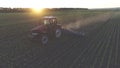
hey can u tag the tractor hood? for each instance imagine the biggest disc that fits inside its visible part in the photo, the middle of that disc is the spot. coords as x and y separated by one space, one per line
40 28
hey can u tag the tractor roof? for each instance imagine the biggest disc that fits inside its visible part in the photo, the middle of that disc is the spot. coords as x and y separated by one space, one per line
49 17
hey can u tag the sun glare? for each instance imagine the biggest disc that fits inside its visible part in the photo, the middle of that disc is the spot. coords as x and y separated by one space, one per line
37 10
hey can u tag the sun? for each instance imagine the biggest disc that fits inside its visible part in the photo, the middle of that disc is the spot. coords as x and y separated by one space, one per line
37 10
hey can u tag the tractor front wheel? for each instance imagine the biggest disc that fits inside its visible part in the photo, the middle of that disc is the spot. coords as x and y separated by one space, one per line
58 33
44 39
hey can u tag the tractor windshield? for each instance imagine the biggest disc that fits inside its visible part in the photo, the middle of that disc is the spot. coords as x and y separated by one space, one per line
46 22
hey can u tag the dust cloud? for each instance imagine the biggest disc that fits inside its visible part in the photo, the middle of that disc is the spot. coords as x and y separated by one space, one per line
78 24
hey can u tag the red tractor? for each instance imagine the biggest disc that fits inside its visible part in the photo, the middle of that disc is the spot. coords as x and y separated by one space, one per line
49 28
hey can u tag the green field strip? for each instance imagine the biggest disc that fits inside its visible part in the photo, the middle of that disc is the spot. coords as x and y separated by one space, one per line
11 32
10 37
16 22
61 14
86 49
100 49
14 31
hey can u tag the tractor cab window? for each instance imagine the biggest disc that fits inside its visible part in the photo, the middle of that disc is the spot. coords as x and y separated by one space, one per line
46 22
50 21
53 21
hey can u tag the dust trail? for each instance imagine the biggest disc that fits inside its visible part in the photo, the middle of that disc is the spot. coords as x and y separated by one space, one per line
78 24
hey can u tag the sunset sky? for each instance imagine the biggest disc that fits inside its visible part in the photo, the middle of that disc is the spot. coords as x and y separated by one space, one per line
60 3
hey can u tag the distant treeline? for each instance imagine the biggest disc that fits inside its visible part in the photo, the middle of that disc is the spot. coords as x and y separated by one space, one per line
14 10
61 9
22 10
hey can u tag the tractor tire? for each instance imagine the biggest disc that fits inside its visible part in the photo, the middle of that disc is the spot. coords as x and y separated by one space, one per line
44 39
58 33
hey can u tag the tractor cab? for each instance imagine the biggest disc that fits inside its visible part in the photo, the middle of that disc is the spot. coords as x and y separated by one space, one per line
49 28
49 20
